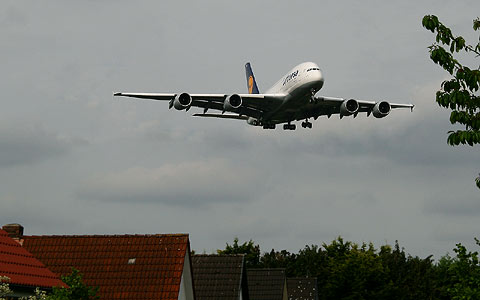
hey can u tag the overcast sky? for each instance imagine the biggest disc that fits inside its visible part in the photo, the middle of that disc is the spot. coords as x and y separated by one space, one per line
73 160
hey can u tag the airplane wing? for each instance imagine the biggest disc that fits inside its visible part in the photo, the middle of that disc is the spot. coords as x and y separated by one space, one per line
344 107
252 105
220 116
364 104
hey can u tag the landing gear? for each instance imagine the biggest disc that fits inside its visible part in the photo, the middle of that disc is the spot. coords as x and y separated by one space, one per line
306 124
269 126
312 96
289 126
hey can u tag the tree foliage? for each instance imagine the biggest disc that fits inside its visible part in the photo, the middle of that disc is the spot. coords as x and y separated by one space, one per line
39 295
346 270
251 251
4 287
76 290
460 93
464 272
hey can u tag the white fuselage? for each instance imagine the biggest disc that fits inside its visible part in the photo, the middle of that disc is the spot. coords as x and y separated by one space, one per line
298 86
303 78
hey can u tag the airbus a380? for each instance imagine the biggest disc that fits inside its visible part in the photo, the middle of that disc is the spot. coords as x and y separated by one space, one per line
292 98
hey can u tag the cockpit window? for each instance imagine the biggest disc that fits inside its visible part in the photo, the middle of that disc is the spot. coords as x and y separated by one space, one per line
311 69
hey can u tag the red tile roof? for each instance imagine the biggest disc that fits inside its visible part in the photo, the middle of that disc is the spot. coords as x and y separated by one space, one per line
122 266
21 267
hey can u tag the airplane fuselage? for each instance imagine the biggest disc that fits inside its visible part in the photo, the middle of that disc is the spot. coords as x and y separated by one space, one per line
299 85
305 76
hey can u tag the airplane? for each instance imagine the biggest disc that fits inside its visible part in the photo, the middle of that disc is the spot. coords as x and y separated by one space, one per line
292 98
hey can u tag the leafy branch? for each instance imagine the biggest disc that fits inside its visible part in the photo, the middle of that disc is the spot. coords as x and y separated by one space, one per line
459 93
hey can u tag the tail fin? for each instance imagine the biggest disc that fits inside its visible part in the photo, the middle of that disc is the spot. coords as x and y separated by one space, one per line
251 83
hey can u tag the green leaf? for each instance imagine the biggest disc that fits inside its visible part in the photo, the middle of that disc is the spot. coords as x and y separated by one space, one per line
476 24
430 22
459 43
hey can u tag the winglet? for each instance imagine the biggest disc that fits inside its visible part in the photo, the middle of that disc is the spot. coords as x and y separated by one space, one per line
117 94
251 83
411 108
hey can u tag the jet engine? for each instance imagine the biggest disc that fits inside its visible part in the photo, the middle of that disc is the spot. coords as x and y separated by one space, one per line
349 107
232 102
182 101
381 109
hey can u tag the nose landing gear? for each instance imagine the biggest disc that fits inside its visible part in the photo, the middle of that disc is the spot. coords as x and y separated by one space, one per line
289 126
312 96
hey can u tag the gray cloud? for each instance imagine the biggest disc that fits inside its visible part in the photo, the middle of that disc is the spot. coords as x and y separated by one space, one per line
12 16
453 203
194 183
28 144
145 166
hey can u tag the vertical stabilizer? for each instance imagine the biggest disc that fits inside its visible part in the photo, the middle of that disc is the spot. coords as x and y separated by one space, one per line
251 83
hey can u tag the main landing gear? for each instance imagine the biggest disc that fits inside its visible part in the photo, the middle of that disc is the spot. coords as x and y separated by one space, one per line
306 124
289 126
269 126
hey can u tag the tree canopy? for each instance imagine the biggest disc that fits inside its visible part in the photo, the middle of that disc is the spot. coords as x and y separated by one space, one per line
459 92
77 289
251 251
346 270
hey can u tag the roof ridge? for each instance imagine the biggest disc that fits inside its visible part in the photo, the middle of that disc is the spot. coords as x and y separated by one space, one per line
30 274
268 269
25 254
221 255
110 235
42 266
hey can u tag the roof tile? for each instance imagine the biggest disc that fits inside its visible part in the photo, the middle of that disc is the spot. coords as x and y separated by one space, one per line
154 271
218 276
21 267
266 284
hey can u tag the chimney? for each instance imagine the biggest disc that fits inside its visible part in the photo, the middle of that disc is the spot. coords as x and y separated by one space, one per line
15 231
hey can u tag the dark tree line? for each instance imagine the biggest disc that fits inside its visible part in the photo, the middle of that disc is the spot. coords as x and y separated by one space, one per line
346 270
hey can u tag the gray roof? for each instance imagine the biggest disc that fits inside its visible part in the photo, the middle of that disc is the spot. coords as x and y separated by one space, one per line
219 277
266 284
302 288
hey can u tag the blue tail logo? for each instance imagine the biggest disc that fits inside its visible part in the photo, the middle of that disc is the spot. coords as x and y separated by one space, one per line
251 83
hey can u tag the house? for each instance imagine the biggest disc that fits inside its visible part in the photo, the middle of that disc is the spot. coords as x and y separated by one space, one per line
220 277
25 272
267 284
302 288
155 266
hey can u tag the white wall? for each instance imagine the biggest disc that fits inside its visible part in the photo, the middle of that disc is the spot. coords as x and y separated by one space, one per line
186 285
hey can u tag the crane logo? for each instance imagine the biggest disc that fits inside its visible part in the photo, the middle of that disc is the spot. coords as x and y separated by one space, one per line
250 84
